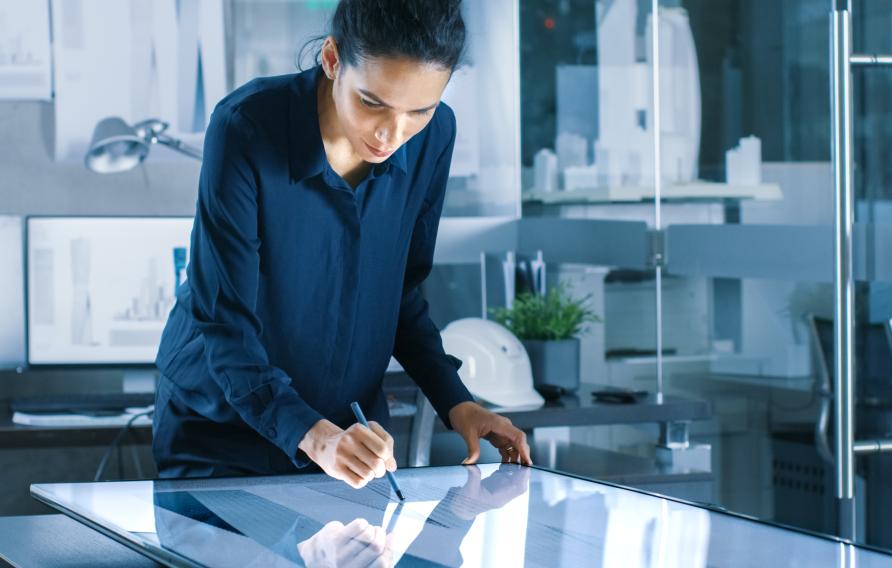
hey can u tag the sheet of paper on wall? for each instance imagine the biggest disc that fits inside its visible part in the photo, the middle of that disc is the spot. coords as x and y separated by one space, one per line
136 59
462 97
25 65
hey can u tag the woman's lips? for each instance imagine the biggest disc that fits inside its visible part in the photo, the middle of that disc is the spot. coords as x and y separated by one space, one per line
378 153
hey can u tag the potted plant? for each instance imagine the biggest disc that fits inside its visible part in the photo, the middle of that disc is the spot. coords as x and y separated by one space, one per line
549 326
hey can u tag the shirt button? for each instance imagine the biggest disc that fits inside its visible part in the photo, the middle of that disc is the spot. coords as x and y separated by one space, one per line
271 432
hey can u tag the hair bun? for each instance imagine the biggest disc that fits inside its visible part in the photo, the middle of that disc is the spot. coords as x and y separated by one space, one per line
431 31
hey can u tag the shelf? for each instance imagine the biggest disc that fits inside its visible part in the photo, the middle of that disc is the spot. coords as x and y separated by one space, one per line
689 191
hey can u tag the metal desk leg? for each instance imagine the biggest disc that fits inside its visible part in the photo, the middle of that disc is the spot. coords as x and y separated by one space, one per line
675 449
421 433
674 435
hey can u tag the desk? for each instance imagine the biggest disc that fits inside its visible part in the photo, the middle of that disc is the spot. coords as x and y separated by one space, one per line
33 454
580 410
489 515
18 436
570 410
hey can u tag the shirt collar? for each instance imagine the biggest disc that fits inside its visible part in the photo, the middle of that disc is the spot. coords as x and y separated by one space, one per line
307 157
398 159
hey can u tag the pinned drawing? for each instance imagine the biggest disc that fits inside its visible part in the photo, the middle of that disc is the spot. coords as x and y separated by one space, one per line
136 59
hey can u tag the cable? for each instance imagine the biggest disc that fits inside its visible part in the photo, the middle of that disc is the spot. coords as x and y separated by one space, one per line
134 455
103 463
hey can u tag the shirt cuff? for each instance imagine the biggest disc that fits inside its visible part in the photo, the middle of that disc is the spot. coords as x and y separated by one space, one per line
285 422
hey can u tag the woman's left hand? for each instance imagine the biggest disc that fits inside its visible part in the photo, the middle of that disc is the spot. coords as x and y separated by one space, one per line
474 422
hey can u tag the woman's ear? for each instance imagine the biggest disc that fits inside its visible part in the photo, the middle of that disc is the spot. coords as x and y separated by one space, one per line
330 60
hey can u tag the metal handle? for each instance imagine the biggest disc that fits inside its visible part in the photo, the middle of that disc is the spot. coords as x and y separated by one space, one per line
843 325
873 446
870 60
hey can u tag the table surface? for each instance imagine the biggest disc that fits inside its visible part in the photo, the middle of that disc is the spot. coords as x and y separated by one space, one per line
452 514
580 410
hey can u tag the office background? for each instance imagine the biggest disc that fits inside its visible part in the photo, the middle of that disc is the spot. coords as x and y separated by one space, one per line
744 269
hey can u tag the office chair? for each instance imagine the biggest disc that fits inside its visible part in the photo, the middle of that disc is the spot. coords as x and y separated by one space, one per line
873 372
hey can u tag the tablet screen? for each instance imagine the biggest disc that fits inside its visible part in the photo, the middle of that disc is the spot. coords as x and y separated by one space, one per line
487 515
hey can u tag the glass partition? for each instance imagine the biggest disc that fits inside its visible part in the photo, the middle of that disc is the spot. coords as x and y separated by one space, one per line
766 266
872 127
765 145
588 155
734 298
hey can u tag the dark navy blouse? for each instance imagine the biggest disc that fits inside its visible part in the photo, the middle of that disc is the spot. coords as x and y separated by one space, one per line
299 287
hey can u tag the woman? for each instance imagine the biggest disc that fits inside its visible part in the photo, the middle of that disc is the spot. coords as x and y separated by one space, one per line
319 201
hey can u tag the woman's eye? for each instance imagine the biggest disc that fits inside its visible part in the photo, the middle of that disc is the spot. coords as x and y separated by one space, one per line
368 103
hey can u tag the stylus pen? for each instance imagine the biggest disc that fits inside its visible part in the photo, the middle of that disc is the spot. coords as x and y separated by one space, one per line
391 524
360 417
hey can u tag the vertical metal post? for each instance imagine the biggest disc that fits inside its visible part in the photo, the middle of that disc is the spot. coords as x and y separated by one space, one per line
421 433
484 305
844 300
658 185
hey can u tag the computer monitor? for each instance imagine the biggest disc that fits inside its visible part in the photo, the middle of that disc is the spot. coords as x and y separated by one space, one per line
100 289
12 294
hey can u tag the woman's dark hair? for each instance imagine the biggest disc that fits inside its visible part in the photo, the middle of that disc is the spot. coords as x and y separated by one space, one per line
430 31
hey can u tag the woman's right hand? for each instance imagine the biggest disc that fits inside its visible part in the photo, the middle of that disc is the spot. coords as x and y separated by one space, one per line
357 544
356 455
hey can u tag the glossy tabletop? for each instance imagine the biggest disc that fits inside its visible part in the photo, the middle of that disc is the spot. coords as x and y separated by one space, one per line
488 515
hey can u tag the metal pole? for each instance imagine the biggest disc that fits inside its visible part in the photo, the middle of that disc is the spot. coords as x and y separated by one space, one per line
841 111
483 303
658 186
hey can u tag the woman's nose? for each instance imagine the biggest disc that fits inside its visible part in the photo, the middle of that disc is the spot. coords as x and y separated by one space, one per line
390 134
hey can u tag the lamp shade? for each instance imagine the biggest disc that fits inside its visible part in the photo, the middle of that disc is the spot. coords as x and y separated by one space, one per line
115 147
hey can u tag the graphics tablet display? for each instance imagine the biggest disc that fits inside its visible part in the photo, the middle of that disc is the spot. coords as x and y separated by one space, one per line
488 515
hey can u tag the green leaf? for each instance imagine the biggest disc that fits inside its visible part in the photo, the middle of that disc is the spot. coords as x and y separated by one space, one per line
556 315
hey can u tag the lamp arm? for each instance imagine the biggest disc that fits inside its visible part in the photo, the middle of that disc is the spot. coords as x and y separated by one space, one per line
176 144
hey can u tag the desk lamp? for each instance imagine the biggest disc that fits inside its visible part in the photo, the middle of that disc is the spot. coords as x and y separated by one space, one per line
118 147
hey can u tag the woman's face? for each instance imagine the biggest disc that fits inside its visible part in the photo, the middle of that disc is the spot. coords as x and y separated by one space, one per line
381 103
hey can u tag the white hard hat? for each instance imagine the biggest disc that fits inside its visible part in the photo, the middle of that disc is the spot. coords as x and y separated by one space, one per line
496 367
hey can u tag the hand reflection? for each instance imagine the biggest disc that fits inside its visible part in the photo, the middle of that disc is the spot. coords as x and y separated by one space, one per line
476 496
356 544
